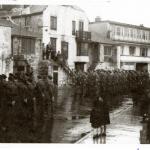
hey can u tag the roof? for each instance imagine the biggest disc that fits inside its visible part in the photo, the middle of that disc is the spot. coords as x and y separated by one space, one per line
5 23
122 24
96 37
30 10
37 8
74 7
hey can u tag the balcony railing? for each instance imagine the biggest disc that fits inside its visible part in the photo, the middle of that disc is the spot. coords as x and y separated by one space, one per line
83 35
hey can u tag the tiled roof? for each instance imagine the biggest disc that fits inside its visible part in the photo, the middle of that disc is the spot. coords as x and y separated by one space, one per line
74 7
37 8
122 24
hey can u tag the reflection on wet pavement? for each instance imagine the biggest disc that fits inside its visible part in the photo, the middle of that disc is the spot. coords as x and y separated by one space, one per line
70 122
124 128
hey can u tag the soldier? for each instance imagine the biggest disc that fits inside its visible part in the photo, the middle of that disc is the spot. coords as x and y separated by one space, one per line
31 110
48 51
3 102
52 94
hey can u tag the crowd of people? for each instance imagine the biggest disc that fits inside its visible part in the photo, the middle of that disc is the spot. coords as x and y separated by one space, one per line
102 86
24 104
112 83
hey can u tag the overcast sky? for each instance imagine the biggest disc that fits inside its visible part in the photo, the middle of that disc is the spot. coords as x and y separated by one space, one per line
127 11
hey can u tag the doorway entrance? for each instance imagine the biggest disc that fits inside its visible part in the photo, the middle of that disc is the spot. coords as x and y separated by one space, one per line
141 67
79 66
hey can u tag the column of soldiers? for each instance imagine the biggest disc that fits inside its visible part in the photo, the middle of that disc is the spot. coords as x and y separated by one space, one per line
24 105
111 83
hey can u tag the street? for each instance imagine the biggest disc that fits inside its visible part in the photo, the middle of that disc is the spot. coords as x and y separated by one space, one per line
124 128
71 125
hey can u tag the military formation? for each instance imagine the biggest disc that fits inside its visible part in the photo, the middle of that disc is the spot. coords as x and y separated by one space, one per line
110 83
24 105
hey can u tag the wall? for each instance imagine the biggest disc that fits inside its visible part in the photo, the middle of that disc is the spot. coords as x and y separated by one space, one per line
33 58
99 27
5 50
35 23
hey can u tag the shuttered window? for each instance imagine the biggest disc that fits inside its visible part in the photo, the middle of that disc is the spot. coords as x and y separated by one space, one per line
28 46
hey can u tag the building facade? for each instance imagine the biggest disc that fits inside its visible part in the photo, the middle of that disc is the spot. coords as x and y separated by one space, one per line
6 63
132 43
66 28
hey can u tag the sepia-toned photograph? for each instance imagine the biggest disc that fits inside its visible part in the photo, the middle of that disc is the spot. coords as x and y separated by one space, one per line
75 73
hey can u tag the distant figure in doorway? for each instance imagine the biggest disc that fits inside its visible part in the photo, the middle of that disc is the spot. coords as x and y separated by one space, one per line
99 118
48 51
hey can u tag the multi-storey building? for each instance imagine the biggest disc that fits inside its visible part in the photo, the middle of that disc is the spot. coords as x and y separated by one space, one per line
65 27
131 43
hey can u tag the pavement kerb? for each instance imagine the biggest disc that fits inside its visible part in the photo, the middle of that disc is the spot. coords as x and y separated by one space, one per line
113 114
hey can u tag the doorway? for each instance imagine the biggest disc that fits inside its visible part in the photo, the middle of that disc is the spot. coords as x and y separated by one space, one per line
141 67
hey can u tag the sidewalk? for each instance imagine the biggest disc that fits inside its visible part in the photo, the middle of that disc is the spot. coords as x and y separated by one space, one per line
124 128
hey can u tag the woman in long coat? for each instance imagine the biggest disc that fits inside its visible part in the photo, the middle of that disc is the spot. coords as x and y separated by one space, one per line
99 117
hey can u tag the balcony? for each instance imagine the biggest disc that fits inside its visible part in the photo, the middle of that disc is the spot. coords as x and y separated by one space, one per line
83 36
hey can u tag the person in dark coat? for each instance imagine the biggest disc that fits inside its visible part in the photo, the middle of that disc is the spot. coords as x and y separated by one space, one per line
99 117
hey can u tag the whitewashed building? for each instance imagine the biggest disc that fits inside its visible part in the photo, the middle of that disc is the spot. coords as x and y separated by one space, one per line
66 28
131 43
6 63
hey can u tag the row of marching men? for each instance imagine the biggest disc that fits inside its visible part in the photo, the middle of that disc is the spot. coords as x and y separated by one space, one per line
24 104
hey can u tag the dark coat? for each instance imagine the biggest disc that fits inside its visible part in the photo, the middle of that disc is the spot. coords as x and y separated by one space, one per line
99 115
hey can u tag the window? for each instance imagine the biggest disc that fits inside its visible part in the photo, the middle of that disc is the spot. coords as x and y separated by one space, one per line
81 25
53 23
73 27
146 35
53 43
132 50
131 33
118 30
64 49
143 35
138 34
27 21
126 32
82 49
143 51
149 35
28 46
107 51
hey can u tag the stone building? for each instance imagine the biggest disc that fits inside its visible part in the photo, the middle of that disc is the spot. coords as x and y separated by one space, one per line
26 50
131 43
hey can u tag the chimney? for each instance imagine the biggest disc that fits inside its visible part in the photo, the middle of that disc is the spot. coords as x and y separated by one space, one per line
98 19
141 25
